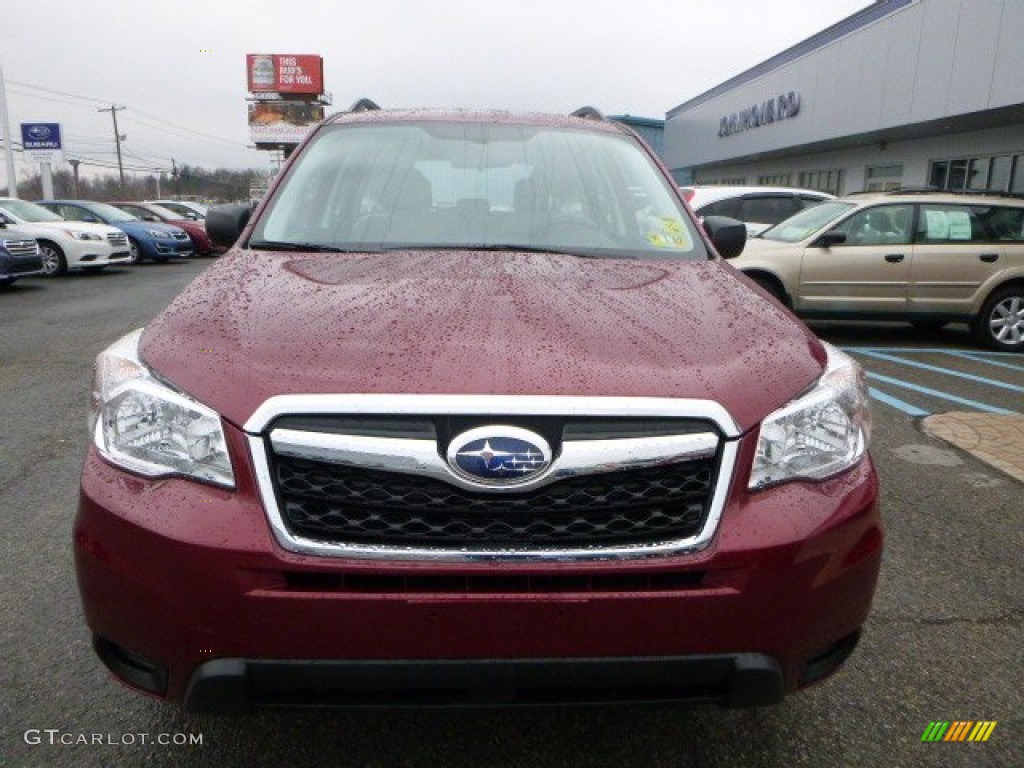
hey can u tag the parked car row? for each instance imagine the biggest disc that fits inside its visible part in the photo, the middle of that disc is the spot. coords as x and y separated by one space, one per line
63 235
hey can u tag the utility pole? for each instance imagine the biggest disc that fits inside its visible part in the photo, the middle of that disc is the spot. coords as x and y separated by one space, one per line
5 126
117 141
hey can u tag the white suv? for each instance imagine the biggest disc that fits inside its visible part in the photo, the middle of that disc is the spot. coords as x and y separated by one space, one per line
64 244
757 207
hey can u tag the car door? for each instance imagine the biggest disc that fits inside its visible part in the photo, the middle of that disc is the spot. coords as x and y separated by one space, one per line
957 249
868 272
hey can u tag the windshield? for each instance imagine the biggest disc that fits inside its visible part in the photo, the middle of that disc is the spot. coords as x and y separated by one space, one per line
434 185
110 213
26 211
804 224
161 212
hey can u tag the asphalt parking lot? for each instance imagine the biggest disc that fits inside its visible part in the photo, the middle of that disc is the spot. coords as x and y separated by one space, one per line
943 643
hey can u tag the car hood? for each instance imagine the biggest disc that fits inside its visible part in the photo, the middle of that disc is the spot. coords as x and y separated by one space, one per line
255 325
141 227
46 228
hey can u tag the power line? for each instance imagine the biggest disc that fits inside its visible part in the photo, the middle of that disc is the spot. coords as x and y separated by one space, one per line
61 93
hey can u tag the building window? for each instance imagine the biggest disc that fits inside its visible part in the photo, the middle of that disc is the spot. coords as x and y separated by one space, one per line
775 180
724 182
830 180
882 178
998 173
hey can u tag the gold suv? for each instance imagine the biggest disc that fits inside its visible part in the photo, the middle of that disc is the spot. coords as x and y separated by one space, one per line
929 258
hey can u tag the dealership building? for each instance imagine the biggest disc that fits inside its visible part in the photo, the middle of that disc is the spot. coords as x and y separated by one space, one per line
903 93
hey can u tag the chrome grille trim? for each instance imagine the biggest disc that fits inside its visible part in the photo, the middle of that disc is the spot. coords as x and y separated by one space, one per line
420 457
21 247
370 451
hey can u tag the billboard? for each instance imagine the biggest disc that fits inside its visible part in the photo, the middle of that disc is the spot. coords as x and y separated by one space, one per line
282 122
41 142
285 73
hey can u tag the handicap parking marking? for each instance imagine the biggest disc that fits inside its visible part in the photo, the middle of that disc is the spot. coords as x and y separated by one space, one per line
977 357
895 402
976 405
899 356
879 355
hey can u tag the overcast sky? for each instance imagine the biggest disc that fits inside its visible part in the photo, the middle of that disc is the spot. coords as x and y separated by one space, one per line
178 66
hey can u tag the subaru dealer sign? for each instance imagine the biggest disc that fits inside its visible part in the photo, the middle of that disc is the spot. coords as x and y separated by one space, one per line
41 142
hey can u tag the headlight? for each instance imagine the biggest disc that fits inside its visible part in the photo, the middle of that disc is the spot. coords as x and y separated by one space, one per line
159 233
140 423
83 235
820 433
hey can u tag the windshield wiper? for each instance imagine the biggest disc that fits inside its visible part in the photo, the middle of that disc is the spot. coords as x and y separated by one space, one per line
497 247
280 245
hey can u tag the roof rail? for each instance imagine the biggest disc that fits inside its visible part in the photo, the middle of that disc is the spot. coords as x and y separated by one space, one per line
588 113
926 190
964 192
364 105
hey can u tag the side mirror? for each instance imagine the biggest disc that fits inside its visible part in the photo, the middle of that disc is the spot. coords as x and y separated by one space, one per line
727 235
90 219
192 216
224 223
829 239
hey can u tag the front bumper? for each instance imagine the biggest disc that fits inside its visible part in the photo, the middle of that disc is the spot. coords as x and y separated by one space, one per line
193 600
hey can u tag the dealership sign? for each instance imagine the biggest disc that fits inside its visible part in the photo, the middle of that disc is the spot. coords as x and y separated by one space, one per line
785 106
285 73
41 142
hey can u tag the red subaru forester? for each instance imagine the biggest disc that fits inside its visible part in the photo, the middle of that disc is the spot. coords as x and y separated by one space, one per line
474 412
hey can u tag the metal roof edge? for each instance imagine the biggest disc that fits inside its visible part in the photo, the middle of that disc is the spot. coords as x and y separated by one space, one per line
877 10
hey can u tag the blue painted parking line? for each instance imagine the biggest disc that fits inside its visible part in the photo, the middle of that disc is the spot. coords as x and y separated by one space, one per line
924 350
899 405
945 371
978 406
977 357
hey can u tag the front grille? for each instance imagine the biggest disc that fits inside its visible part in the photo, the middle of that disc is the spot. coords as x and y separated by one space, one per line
20 247
333 503
119 240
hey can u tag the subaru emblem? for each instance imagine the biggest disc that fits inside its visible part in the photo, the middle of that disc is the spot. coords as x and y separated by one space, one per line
499 455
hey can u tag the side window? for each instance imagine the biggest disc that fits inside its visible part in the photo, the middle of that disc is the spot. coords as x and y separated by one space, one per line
1001 224
729 207
71 212
768 209
881 225
963 224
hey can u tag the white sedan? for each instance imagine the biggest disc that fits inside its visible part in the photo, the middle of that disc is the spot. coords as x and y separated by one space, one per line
64 244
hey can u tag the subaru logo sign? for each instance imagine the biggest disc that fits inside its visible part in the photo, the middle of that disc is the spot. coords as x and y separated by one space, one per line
499 455
39 132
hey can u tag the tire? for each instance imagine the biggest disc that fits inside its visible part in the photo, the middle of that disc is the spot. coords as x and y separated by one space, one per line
54 262
773 287
1000 324
7 282
134 252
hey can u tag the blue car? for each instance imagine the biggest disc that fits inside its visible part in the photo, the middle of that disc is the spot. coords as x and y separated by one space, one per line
146 239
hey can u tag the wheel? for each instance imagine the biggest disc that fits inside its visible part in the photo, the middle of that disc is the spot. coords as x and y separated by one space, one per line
773 287
134 252
1000 324
54 262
